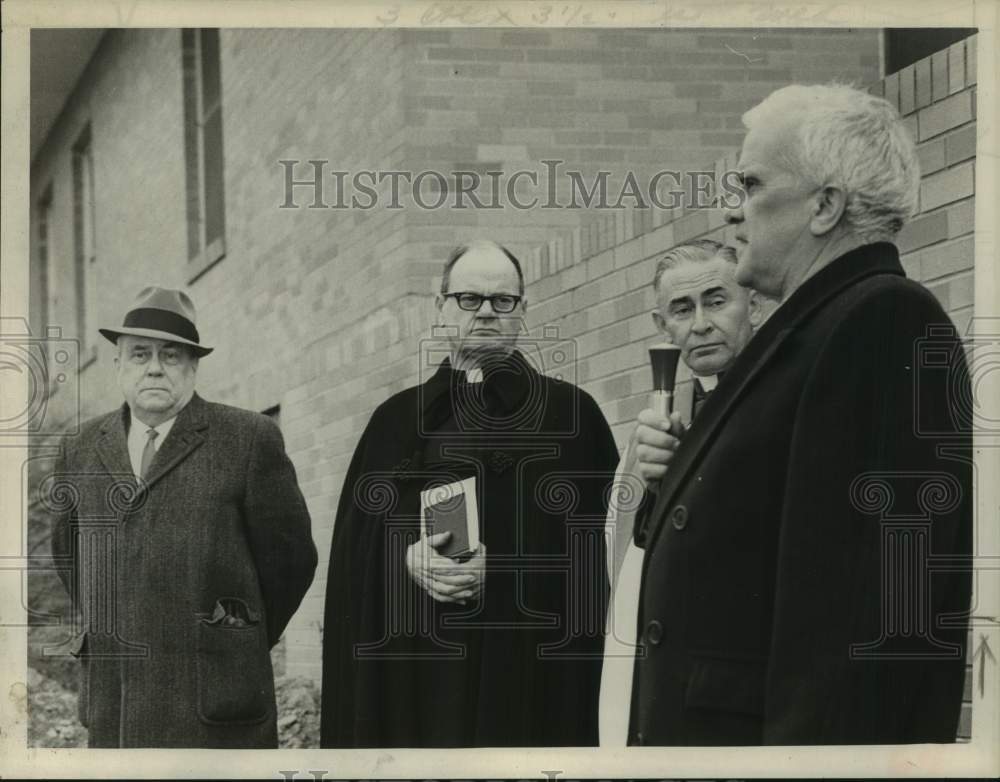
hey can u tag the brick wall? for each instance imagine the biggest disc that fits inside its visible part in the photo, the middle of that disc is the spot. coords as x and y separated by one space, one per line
937 95
321 311
618 101
938 99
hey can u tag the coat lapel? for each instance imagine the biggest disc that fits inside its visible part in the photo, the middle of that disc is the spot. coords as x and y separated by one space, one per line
187 434
703 430
845 271
112 446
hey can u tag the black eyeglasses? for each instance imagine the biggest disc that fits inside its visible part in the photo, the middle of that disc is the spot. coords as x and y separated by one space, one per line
500 302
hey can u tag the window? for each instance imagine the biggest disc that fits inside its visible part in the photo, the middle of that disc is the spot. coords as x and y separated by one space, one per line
905 45
41 277
203 149
85 252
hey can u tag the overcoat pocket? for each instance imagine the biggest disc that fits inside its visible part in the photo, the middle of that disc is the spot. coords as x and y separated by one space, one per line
726 684
234 668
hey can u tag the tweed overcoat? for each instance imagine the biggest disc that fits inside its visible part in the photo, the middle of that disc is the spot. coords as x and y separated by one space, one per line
220 521
806 578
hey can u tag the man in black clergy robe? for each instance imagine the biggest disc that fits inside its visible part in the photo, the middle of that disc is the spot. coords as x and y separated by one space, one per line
503 648
806 578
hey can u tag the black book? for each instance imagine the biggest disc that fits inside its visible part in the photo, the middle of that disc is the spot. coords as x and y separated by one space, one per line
452 508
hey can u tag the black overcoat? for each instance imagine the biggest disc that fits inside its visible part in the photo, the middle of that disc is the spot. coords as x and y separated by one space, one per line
804 580
521 667
220 517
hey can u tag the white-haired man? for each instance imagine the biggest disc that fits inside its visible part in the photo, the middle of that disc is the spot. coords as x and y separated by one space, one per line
789 594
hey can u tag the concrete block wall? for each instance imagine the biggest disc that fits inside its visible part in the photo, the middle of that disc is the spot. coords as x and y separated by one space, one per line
937 96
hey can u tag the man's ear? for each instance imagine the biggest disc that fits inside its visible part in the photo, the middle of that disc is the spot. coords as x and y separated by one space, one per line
661 324
524 306
755 311
829 204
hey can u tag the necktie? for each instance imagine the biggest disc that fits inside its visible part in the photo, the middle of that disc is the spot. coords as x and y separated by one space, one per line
148 452
700 397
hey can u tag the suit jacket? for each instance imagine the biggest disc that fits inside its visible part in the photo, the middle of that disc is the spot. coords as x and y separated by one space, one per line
793 590
218 526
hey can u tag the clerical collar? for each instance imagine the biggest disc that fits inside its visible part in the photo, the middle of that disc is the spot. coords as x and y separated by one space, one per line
509 382
708 382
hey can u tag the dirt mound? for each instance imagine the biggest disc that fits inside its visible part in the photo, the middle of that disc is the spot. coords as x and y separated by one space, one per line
52 714
298 712
53 718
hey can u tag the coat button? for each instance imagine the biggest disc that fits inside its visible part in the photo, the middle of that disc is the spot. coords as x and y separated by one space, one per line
640 740
679 517
654 633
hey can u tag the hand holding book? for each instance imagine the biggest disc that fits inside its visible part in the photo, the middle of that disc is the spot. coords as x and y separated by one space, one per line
448 561
443 578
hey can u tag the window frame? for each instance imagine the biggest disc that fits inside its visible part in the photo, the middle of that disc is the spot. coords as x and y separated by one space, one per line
84 244
198 169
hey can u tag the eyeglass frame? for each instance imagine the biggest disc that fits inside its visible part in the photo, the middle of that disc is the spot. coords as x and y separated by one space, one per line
483 298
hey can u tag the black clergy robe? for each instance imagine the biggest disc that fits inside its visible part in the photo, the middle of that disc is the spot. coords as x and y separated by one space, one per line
520 666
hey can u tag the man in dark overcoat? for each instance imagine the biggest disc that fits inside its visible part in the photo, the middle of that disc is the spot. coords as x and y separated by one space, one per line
806 574
503 648
185 543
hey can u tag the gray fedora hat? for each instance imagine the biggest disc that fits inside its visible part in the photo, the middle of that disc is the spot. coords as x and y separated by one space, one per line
161 313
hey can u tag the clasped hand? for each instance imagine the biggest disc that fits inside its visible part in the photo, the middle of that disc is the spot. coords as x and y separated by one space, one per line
444 579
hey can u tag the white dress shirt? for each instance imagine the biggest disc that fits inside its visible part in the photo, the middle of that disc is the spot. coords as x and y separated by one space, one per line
137 439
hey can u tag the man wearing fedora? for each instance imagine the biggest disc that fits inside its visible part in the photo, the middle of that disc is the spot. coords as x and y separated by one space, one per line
185 544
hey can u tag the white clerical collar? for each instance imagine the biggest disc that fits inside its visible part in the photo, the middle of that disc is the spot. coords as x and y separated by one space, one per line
708 382
474 375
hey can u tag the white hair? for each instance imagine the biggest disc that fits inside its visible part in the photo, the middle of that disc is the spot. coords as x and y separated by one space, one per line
856 141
